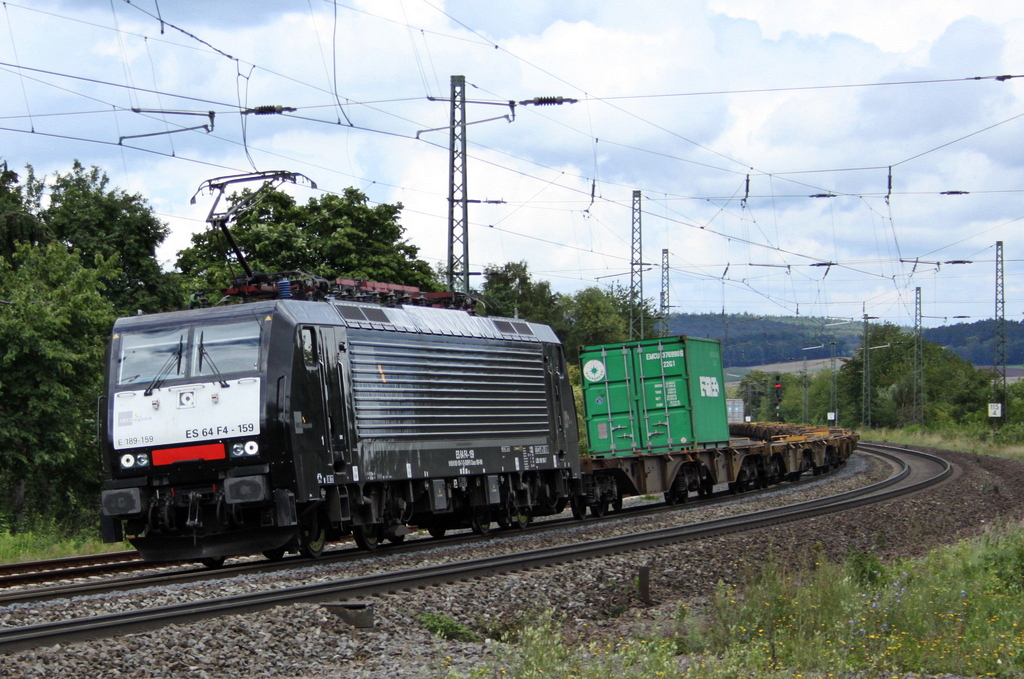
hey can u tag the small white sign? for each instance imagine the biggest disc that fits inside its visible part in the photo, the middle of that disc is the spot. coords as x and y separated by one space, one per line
593 370
995 409
831 416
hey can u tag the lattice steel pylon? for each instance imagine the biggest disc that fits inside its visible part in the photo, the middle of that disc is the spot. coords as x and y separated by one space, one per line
917 416
833 395
1000 339
458 202
636 278
865 387
663 310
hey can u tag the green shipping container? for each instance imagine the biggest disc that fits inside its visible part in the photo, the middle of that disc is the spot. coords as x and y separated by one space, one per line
654 395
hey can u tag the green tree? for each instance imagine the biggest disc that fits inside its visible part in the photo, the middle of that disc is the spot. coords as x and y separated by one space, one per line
591 316
510 290
86 214
54 321
329 236
17 224
642 309
955 392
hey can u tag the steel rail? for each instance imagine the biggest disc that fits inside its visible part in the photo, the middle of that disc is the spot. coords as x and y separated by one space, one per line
198 574
134 621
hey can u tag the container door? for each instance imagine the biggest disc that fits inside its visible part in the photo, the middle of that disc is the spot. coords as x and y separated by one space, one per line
663 394
707 391
609 401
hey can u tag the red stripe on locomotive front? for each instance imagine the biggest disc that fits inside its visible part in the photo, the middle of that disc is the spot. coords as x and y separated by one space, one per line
210 451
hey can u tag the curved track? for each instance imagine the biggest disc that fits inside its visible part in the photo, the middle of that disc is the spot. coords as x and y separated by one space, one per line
917 471
76 577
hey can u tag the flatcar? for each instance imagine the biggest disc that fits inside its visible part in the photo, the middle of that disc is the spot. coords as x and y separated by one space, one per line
278 425
655 415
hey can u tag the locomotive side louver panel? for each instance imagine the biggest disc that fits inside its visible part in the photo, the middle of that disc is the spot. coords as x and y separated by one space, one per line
433 389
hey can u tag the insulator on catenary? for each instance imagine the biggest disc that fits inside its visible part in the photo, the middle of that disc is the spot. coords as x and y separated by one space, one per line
548 101
270 110
284 289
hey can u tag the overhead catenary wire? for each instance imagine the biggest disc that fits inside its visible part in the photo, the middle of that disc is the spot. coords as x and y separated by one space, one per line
592 186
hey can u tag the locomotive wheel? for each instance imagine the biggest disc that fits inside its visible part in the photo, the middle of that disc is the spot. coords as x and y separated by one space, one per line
436 531
617 504
274 554
579 509
598 509
312 538
480 522
396 539
368 537
213 562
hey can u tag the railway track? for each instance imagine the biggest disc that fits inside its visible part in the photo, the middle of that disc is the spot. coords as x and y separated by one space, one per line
917 471
75 576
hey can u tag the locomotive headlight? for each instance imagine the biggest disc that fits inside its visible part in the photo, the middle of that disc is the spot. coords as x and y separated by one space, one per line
142 459
127 461
251 447
237 450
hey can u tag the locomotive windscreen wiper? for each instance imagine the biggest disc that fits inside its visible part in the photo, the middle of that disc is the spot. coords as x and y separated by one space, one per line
172 361
213 366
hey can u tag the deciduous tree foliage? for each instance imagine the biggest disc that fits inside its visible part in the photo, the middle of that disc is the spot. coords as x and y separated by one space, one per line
17 225
510 290
86 214
591 316
330 236
53 328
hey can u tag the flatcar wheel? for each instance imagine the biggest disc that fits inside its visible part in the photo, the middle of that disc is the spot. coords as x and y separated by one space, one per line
579 509
598 509
312 539
396 539
274 554
213 562
368 537
676 497
437 531
518 518
480 522
617 504
707 487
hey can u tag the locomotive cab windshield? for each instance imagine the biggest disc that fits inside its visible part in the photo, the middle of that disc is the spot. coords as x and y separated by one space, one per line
161 355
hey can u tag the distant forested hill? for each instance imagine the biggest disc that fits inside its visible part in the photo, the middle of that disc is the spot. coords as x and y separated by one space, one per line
757 340
975 342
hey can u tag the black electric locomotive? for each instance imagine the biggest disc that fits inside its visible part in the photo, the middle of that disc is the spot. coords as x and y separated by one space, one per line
277 425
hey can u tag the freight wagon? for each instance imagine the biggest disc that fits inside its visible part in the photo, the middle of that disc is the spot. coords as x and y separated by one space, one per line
657 423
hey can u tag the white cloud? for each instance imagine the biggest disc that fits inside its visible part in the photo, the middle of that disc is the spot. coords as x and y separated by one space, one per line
689 155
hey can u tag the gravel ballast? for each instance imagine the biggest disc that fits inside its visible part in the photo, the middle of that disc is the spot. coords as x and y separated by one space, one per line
596 597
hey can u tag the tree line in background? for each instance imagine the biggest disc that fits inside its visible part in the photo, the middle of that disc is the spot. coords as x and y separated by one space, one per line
954 395
76 253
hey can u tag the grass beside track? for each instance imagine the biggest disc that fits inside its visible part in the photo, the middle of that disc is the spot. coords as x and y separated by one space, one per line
960 443
959 610
40 544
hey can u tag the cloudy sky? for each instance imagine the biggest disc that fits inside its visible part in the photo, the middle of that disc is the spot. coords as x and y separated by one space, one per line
793 157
